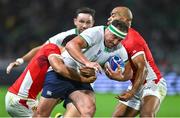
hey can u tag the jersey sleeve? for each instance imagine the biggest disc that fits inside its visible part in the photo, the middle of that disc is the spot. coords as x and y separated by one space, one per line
58 39
52 49
136 46
92 35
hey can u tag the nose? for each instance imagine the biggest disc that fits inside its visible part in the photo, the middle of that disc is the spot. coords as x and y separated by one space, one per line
116 42
85 25
109 19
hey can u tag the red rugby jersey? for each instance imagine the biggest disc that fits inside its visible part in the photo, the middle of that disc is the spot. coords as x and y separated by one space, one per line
136 45
30 82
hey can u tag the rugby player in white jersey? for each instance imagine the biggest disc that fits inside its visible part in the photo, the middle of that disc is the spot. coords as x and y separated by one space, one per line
98 44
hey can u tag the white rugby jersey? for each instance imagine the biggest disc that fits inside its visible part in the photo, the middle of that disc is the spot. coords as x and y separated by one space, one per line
96 51
58 39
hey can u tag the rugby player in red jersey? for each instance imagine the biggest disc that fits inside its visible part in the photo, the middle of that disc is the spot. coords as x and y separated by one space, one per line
84 18
148 87
21 96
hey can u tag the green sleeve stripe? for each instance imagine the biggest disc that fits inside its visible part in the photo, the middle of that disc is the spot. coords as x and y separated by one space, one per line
83 39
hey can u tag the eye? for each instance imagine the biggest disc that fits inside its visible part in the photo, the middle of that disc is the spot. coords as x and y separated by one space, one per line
81 21
88 22
116 37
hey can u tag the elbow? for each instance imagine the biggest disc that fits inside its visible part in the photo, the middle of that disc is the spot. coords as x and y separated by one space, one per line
58 70
68 46
62 73
146 71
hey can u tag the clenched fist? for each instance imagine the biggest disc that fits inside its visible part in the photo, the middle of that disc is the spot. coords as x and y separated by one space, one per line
87 71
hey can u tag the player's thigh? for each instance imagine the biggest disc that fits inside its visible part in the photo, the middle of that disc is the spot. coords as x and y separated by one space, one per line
83 99
71 110
149 105
123 110
152 96
82 96
90 94
46 106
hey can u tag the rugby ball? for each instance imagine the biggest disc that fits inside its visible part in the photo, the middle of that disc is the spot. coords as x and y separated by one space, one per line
114 61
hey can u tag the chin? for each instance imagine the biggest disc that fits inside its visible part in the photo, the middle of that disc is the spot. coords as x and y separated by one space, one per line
109 46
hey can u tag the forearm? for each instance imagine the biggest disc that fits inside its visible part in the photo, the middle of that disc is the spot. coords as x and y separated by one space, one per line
59 67
74 75
122 78
27 57
141 72
139 79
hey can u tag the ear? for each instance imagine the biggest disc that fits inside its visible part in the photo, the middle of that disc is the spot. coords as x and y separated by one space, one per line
129 21
75 21
93 23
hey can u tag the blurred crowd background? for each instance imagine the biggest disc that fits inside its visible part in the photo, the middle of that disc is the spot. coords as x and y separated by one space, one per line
25 24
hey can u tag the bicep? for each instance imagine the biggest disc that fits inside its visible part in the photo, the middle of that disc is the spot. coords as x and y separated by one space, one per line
139 61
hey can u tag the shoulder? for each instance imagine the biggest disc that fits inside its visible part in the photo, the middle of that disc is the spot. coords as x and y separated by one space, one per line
68 32
133 32
57 39
93 35
94 31
133 42
50 46
65 33
133 37
71 31
96 28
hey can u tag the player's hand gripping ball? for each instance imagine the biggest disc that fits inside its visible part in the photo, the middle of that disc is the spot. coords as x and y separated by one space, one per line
114 61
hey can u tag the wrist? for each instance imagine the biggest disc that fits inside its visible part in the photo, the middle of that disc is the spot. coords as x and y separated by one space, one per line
86 63
20 60
132 92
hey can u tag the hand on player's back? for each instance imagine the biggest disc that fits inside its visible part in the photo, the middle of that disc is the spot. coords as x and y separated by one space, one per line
11 66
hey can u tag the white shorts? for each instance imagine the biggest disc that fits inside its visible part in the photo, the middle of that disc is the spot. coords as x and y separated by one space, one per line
150 88
16 106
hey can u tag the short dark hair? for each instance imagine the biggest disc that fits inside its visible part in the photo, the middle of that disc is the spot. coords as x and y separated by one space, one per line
67 39
86 10
121 25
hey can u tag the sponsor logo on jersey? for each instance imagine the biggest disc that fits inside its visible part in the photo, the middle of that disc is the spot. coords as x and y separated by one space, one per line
49 93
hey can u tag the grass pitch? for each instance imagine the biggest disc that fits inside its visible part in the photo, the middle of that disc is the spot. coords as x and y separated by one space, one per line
106 103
